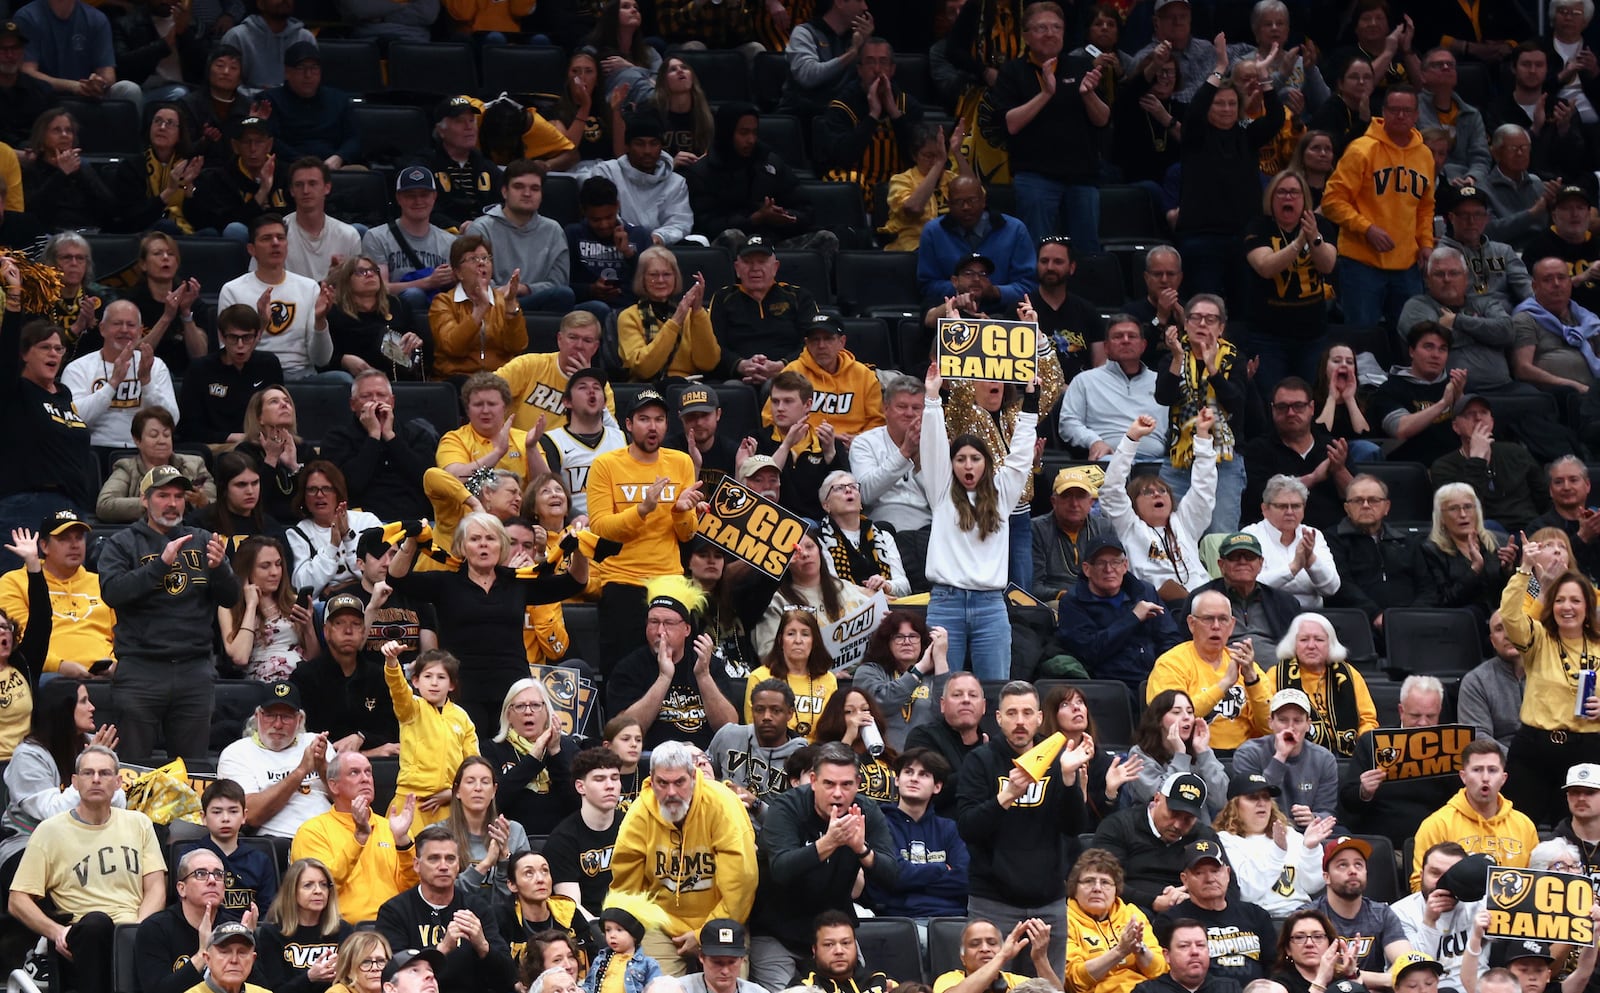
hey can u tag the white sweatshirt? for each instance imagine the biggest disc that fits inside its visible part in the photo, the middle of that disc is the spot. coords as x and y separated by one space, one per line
1278 881
891 490
109 411
290 332
1310 584
1147 555
960 558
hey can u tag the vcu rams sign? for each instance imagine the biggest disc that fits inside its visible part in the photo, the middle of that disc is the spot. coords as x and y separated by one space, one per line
997 351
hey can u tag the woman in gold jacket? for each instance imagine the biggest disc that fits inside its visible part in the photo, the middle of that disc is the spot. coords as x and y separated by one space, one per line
659 340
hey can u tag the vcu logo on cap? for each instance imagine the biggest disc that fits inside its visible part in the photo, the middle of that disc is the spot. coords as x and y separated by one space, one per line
1189 792
1202 846
282 689
725 935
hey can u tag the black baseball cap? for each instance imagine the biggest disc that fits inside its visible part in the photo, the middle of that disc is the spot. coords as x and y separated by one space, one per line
1455 196
281 693
1200 849
966 260
14 30
257 124
1102 543
1250 784
698 400
61 522
823 324
649 398
590 372
724 937
405 958
756 245
301 51
1186 793
454 107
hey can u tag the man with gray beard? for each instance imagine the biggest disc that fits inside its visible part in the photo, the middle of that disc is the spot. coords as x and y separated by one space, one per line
165 580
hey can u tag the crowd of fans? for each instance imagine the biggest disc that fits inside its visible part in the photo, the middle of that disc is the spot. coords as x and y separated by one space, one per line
1105 716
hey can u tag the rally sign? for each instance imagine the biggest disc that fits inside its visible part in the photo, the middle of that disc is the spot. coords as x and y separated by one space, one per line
997 351
748 525
1420 753
846 639
571 696
1539 905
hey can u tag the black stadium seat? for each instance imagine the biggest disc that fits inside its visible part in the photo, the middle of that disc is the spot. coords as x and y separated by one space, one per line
1436 641
124 959
560 202
351 64
1410 492
390 135
233 703
435 403
878 284
808 269
889 945
445 68
869 341
713 262
838 205
1109 703
319 407
359 197
911 74
106 126
523 69
784 135
944 944
213 261
723 75
768 75
1355 632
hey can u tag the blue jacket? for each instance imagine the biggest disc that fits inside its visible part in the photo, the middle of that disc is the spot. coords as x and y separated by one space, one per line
933 867
1008 245
1109 641
642 969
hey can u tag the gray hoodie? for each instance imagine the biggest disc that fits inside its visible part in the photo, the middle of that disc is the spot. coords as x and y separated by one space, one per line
263 50
538 248
164 613
657 201
1310 779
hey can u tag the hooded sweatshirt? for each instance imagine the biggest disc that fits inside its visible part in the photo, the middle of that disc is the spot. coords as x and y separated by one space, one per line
1088 938
1379 182
164 612
694 871
1016 851
263 49
538 248
1508 836
657 201
726 188
850 398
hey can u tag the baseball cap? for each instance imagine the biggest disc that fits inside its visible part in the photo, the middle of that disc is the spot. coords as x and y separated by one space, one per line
649 398
414 178
698 400
591 372
1503 953
1163 3
281 693
754 464
1185 792
756 245
1458 195
1413 960
966 260
14 30
823 324
724 937
1343 843
342 603
65 520
232 931
1584 774
1346 986
1468 879
1290 697
301 51
371 543
1199 850
164 475
258 124
1239 541
1575 190
1100 544
454 107
1246 784
406 958
1466 400
1079 477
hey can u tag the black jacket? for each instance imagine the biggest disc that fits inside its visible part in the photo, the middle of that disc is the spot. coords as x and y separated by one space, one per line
795 887
343 705
1221 183
216 394
162 948
409 921
1380 571
773 326
940 737
385 476
140 48
843 134
1166 984
1397 809
725 188
1150 865
225 193
60 201
536 793
1016 851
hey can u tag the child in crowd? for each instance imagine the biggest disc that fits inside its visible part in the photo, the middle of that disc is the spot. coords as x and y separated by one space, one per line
623 932
625 736
435 733
251 878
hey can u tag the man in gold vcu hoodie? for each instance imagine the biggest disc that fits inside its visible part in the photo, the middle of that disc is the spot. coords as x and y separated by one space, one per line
686 844
1381 196
1478 817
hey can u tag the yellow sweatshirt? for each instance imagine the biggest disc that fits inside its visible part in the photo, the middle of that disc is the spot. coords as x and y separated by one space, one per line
1088 939
432 744
617 485
465 444
364 876
1551 689
544 629
1235 716
1379 182
537 383
907 231
709 860
810 696
1507 837
697 349
850 399
462 345
81 622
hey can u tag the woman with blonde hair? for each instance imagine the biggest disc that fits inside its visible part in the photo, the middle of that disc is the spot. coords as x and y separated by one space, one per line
535 756
1312 659
272 438
1111 947
1279 869
302 926
371 327
361 959
1463 559
661 339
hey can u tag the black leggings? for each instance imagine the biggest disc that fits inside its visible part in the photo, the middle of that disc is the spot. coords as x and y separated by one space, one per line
1536 770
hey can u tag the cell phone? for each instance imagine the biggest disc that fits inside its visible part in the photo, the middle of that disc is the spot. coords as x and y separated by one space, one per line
101 666
303 597
1094 52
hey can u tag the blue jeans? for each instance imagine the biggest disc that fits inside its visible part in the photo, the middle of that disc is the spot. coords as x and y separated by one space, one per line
1019 559
26 510
1282 357
978 626
1365 451
1370 295
1049 207
556 299
1230 491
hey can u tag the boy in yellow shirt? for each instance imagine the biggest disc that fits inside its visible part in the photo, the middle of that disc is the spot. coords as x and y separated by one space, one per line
435 733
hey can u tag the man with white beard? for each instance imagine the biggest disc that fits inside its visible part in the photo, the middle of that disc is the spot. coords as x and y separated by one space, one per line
165 580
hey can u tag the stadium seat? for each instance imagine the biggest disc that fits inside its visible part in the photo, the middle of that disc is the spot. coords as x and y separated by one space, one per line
808 269
1099 279
542 330
768 76
1127 214
878 284
911 73
560 202
385 777
838 205
359 197
583 625
1436 641
914 345
391 136
435 403
1108 701
213 261
106 126
1475 83
714 262
1385 700
445 68
868 340
1383 883
125 959
889 945
233 703
944 945
351 64
1354 629
783 134
723 74
319 407
523 69
1410 492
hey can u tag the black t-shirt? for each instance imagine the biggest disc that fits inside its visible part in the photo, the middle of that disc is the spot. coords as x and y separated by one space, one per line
1293 304
1546 244
679 133
1074 328
683 712
1241 937
1409 397
402 618
578 854
343 705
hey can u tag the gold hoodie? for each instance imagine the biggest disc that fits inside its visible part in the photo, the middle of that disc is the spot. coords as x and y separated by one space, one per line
701 869
1089 939
850 399
1507 837
1380 183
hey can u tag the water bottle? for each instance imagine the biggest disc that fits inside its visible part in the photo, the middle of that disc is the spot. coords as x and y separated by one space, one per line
872 739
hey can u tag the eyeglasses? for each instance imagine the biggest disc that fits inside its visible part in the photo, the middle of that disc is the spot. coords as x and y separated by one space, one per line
163 124
320 491
217 874
1308 937
527 708
1293 407
1366 501
907 637
847 487
668 623
73 257
480 259
373 964
1212 620
1206 320
1116 562
365 271
239 338
98 773
1284 508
